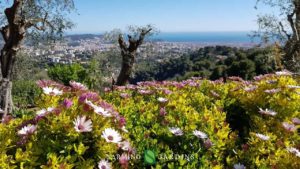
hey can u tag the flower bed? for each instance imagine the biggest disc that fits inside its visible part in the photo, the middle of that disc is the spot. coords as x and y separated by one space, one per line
190 124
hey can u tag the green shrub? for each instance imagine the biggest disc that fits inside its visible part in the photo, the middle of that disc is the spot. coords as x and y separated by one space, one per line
74 128
67 73
189 124
24 93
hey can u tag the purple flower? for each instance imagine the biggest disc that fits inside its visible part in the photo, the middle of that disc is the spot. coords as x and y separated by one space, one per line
145 92
89 95
124 95
296 121
107 89
262 77
6 119
68 103
272 91
208 144
236 78
162 111
122 121
123 160
250 88
78 86
27 130
289 127
131 87
167 92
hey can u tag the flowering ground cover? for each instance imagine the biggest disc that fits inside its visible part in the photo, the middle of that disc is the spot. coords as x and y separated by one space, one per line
190 124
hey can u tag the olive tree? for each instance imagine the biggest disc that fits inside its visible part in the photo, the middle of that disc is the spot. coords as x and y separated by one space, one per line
19 20
135 39
283 25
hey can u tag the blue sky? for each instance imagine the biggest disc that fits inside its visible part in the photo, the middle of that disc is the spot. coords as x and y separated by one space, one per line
96 16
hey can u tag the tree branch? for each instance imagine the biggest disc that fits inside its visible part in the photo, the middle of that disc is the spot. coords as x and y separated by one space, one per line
284 31
34 22
11 12
292 24
142 36
5 33
122 43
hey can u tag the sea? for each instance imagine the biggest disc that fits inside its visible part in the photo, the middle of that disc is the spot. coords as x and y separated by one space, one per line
205 37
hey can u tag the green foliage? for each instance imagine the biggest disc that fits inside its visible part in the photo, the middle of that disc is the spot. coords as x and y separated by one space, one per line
67 73
24 93
213 107
56 142
89 74
212 63
188 124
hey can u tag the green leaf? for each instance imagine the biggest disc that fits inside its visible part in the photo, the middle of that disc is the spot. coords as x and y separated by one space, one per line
149 157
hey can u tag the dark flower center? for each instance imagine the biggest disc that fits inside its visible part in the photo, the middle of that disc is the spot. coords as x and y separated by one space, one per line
80 127
110 138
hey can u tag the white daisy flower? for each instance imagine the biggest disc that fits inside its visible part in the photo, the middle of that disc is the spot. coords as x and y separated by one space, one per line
102 111
239 166
124 129
125 145
283 73
176 131
293 151
250 88
26 130
103 164
52 91
111 135
78 85
293 87
296 121
86 101
162 100
49 109
288 126
82 125
42 112
272 91
200 134
267 112
262 137
98 109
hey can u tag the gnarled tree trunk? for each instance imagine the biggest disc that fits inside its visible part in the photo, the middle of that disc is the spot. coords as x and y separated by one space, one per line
6 102
292 46
13 34
127 66
292 55
128 56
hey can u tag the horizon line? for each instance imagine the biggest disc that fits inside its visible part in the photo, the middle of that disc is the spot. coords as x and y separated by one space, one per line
225 31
